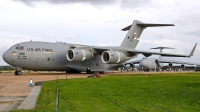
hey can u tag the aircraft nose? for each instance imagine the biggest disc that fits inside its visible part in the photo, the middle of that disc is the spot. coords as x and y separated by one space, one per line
6 57
142 63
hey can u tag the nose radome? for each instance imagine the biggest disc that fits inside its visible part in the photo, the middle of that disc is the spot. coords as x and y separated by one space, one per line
6 56
143 63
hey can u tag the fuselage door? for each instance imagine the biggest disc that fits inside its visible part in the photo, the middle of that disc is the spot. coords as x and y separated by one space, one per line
39 62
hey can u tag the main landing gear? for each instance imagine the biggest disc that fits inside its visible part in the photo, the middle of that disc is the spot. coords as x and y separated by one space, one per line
18 72
73 71
88 71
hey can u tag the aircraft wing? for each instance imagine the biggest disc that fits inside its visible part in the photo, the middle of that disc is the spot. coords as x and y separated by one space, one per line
148 53
176 62
145 53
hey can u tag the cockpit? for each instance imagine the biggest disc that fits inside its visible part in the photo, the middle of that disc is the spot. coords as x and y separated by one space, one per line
17 47
13 47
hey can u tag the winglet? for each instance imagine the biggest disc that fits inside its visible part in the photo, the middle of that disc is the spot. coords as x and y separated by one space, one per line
192 52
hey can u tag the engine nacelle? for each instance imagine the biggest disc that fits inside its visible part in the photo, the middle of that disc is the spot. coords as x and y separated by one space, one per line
132 65
170 64
113 57
182 66
79 55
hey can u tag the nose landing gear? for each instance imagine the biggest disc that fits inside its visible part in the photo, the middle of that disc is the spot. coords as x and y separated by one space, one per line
18 72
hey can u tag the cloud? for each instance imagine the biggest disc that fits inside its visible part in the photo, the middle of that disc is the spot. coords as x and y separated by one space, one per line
124 3
26 2
49 35
134 3
193 31
103 44
93 2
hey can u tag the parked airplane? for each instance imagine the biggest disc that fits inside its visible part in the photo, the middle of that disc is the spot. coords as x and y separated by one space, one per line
44 56
152 63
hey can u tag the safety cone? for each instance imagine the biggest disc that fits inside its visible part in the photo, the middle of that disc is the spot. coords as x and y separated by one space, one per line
31 84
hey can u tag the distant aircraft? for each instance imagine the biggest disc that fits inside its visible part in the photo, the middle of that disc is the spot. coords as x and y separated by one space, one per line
152 63
73 58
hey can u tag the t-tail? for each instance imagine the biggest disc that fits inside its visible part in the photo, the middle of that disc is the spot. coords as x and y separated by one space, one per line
161 49
135 30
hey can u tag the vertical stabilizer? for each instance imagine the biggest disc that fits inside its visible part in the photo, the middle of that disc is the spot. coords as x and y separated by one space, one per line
133 36
135 30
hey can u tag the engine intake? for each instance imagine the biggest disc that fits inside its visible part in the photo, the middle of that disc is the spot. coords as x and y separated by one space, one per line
170 65
132 65
113 57
182 66
79 55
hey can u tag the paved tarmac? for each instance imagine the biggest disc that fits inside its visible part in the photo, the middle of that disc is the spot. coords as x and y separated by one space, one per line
15 89
30 101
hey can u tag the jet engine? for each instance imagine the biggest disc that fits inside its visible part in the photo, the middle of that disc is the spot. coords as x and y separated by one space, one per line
79 55
182 66
132 65
170 64
113 57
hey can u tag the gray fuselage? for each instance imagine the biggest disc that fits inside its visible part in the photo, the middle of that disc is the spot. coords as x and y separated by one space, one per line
48 57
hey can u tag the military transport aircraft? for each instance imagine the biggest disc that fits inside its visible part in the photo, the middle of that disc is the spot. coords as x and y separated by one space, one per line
44 56
147 64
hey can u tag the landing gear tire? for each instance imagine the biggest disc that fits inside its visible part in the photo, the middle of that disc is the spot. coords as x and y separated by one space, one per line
18 72
102 72
88 71
73 71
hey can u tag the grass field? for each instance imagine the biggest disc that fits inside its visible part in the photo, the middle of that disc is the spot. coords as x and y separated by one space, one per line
124 93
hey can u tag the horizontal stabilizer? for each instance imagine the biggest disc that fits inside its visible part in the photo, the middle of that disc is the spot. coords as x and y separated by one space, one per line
162 48
146 25
153 25
127 28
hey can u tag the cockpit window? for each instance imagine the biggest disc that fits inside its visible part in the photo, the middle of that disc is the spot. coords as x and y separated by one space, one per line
13 47
21 48
17 47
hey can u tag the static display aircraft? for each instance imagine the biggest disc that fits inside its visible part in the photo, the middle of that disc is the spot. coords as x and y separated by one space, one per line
44 56
147 64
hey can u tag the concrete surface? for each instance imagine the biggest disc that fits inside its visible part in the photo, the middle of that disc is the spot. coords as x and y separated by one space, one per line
11 102
15 89
30 101
11 85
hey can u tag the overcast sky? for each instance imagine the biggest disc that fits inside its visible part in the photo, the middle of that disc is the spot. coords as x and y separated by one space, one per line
99 23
